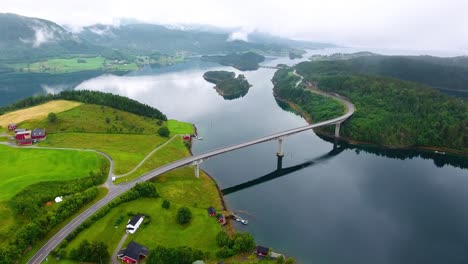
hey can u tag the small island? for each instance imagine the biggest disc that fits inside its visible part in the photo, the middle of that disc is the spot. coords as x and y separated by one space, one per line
296 54
227 84
242 61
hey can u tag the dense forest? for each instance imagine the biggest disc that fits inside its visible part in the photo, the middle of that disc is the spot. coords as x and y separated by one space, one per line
227 85
317 107
90 97
388 111
242 61
446 74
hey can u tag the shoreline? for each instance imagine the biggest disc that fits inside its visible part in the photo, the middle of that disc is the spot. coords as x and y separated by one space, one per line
308 119
230 228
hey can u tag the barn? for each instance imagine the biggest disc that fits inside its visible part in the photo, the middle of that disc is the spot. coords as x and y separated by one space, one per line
262 251
23 137
133 253
38 134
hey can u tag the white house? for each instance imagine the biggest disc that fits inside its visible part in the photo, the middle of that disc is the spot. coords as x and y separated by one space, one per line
134 223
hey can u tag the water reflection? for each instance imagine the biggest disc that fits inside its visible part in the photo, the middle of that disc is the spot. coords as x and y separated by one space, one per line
280 171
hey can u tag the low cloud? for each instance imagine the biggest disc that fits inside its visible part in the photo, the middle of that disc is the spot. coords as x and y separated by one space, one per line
53 89
41 36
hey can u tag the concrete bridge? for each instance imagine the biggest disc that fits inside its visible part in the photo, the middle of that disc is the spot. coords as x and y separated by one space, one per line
195 160
274 67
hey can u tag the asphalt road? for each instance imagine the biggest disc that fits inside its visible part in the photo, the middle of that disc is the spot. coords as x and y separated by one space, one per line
116 190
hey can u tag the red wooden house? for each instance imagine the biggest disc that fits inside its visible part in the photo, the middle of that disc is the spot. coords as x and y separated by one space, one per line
262 251
12 127
211 211
133 253
221 219
38 134
23 137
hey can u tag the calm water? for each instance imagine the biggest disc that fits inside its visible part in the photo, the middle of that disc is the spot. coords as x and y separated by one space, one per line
325 204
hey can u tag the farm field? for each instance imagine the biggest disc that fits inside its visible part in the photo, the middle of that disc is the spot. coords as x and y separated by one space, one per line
75 64
37 112
26 166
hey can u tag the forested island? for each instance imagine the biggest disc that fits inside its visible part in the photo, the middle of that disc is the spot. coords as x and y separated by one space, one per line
227 84
242 61
296 53
389 111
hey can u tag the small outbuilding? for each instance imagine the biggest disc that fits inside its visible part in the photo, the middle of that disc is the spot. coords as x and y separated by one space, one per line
58 199
221 219
187 137
134 223
133 253
211 211
12 127
261 251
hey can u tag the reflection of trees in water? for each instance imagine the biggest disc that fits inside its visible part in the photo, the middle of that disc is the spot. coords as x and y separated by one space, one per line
439 160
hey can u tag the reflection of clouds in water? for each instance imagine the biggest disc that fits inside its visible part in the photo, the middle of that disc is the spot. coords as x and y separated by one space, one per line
182 96
53 89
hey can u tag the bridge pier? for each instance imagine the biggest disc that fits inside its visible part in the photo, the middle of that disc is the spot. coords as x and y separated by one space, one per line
196 168
280 152
337 130
279 163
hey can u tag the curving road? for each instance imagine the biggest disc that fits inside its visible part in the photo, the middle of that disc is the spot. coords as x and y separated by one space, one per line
117 190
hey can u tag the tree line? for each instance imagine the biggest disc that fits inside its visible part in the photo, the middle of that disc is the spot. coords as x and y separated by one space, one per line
317 107
90 97
388 111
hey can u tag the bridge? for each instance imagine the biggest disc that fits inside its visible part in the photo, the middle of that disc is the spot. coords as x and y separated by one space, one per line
274 67
195 160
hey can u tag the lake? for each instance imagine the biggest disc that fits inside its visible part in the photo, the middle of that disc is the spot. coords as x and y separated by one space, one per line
326 203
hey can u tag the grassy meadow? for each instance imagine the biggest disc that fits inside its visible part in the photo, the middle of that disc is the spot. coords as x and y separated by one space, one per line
23 167
126 137
75 64
163 229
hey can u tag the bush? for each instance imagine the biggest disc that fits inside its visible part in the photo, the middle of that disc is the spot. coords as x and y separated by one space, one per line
146 189
166 204
164 131
90 252
52 117
222 239
159 122
290 261
225 252
184 215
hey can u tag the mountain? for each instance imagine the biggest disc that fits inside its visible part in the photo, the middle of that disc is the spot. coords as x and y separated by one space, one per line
29 38
149 38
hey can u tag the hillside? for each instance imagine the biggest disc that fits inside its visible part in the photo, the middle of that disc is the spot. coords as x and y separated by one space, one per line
28 39
449 75
90 97
242 61
389 111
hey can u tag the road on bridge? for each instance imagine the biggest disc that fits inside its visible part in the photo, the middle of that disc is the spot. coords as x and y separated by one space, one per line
117 190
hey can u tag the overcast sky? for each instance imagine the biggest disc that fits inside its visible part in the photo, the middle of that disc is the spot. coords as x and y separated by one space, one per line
403 24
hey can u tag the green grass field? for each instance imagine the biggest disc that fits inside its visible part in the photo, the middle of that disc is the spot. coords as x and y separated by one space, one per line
173 151
63 65
22 167
126 137
163 229
99 119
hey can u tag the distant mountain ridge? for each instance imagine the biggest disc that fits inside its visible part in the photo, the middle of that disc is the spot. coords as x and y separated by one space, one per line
31 39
